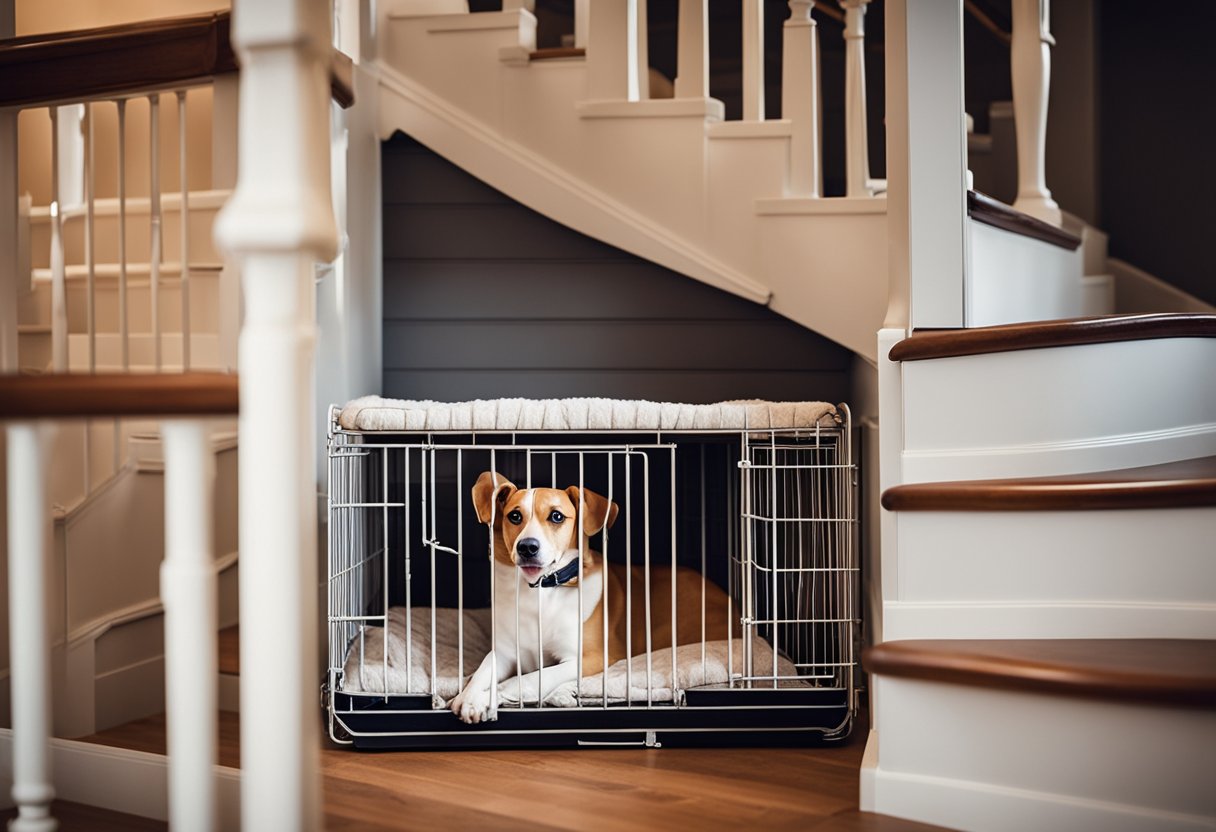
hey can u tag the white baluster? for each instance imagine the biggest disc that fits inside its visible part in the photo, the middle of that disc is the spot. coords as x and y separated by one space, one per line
59 294
124 328
753 60
279 222
90 185
615 51
11 277
692 50
582 17
185 229
800 97
29 541
188 590
857 151
156 221
1030 56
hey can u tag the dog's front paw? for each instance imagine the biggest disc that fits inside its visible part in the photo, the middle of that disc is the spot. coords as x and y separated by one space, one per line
473 706
565 696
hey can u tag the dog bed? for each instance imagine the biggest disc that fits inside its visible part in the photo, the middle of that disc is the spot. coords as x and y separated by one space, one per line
372 413
409 661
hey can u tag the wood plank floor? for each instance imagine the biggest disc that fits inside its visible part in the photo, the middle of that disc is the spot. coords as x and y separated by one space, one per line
619 789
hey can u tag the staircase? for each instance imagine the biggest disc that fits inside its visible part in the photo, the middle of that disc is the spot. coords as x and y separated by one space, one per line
1049 595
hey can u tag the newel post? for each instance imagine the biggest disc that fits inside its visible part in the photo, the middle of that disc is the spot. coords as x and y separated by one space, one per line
1030 56
277 224
800 97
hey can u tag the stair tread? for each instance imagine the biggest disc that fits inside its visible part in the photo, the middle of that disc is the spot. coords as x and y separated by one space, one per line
111 271
990 211
1188 483
230 650
1161 671
857 821
1103 329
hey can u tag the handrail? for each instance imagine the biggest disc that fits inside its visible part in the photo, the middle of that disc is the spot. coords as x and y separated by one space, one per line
64 395
129 58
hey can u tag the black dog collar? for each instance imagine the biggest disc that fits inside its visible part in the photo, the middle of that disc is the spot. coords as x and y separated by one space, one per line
562 576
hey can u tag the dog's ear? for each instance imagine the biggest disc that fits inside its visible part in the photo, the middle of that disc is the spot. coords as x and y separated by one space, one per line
599 512
490 493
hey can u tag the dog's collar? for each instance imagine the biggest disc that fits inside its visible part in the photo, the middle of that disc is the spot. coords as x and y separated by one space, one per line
559 578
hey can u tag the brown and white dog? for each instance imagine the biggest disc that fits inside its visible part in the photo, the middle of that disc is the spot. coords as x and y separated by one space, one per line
536 551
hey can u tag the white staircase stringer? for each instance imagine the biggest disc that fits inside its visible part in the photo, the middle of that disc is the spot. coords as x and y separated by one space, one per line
543 186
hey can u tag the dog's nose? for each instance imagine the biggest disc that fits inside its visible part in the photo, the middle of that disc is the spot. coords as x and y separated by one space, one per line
529 547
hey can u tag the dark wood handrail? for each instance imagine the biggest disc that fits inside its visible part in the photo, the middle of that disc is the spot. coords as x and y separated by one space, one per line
952 343
1175 672
989 211
127 59
1187 484
68 395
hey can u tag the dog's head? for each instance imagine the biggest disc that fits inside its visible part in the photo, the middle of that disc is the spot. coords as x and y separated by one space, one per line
538 525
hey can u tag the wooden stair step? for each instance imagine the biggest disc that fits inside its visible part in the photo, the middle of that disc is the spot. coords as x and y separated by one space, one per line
856 821
953 343
1174 672
985 209
1189 483
230 650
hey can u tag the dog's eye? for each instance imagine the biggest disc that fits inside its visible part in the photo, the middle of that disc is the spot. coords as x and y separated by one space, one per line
557 517
515 517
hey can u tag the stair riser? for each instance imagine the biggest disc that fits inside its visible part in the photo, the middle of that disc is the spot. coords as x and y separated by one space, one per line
1154 559
1058 411
139 236
973 758
204 303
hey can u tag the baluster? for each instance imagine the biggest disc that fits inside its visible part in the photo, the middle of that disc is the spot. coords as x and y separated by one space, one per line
185 229
857 165
692 50
29 540
753 60
123 327
1030 56
188 590
582 17
616 51
90 182
283 48
800 97
59 297
155 214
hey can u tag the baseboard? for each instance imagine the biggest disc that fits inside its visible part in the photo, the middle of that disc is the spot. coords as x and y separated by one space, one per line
119 779
962 804
869 771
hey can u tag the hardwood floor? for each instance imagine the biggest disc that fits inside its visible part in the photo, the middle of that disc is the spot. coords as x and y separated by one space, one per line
75 817
619 789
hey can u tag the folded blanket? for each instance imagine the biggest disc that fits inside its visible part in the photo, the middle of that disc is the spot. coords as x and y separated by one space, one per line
375 413
408 662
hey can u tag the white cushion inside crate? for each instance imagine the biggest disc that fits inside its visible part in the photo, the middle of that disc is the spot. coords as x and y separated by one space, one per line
409 662
373 413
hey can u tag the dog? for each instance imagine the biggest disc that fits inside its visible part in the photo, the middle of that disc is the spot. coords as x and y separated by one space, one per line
536 550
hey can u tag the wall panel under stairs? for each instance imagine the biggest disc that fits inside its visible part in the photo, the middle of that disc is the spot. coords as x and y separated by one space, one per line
484 297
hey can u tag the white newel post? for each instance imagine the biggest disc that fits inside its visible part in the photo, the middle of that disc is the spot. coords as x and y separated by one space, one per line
188 591
278 223
800 97
29 545
857 154
616 51
753 60
1030 56
692 50
926 161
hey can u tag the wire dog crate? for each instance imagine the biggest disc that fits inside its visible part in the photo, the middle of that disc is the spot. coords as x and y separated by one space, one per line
732 563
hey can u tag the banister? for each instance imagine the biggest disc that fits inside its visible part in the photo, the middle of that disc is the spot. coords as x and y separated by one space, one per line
127 59
64 395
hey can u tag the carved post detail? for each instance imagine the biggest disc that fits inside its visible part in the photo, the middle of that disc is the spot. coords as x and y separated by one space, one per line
1030 56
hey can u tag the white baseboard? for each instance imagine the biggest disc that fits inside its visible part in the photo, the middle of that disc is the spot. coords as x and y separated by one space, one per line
119 779
932 619
962 804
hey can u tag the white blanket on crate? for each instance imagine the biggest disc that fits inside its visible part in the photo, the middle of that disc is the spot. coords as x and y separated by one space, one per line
409 668
374 413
